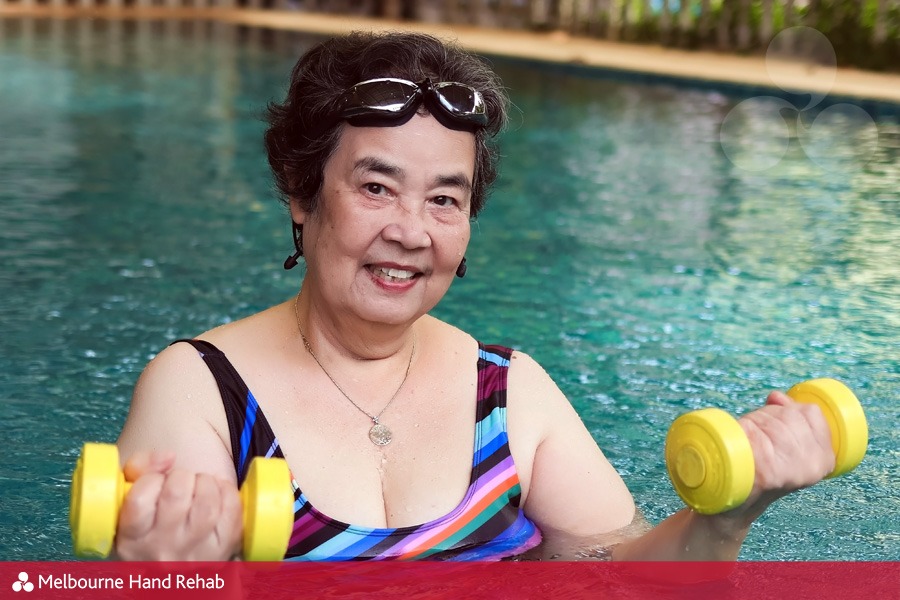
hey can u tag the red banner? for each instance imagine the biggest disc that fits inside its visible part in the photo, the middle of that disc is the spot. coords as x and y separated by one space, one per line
451 581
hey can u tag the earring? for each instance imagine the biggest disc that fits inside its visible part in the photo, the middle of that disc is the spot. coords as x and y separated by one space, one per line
461 269
297 233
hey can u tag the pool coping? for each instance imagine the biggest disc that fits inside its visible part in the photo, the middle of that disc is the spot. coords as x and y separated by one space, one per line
753 72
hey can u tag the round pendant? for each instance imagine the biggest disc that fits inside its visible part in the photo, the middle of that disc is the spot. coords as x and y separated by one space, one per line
380 435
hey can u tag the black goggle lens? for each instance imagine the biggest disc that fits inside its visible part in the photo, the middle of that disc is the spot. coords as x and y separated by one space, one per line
383 95
388 96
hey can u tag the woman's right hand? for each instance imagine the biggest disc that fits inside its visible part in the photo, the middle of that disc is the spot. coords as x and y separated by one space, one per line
173 514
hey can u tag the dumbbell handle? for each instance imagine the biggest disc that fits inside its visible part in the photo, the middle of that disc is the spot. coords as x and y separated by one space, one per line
710 460
99 489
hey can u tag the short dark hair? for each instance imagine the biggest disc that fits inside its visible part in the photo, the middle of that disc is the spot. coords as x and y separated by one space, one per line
298 148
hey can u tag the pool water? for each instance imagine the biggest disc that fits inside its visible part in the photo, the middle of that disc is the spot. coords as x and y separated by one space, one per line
632 245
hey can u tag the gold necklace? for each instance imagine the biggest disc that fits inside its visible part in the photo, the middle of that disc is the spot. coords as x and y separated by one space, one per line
379 434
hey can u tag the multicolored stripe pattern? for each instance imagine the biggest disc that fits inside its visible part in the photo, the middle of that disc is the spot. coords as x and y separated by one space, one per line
488 524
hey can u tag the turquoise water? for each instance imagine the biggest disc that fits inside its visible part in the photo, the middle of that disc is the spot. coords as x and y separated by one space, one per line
651 260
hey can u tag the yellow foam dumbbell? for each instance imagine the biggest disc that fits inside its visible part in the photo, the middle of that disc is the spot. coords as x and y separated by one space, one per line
710 461
99 487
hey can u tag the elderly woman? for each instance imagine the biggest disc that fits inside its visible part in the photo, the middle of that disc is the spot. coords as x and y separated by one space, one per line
406 437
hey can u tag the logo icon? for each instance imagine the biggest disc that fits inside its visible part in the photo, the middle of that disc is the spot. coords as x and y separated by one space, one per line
758 132
22 584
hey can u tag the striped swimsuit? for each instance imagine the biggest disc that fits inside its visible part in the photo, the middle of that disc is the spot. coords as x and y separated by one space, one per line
488 523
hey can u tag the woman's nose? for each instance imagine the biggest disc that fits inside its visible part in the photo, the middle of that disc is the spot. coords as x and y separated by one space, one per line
407 228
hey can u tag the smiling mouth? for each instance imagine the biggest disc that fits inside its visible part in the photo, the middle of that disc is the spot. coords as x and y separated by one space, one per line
393 275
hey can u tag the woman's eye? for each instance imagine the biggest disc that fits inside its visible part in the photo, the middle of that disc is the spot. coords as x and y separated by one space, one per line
444 201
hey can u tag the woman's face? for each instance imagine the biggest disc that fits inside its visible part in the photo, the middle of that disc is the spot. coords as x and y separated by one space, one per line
392 223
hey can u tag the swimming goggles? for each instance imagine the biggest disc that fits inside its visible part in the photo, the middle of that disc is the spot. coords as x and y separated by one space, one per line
387 100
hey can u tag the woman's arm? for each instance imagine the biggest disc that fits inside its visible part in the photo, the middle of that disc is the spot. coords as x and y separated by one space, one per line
581 504
184 504
792 450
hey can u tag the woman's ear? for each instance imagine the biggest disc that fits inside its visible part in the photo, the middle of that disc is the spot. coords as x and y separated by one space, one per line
298 215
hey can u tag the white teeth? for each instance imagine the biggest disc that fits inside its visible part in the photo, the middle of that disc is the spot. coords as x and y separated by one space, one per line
394 274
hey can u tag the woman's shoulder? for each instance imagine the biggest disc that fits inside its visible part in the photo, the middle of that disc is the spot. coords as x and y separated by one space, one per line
536 403
178 370
455 339
175 405
528 382
276 321
438 333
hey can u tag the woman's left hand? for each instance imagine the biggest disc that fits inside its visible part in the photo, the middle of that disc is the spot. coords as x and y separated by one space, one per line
791 444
